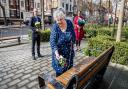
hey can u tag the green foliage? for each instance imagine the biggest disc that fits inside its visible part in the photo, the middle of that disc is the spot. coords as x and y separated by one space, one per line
91 33
104 32
125 32
45 35
100 43
86 51
94 30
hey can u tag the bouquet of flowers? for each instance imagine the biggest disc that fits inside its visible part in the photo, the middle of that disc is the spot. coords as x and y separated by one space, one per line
81 22
62 61
38 26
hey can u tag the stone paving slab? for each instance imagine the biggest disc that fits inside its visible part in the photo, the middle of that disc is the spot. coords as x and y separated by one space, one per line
19 71
116 77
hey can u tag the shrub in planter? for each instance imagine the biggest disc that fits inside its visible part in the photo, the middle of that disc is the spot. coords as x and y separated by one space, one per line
100 43
91 33
94 30
104 32
45 35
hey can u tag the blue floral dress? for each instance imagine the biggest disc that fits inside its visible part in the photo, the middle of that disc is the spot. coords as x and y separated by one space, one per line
63 42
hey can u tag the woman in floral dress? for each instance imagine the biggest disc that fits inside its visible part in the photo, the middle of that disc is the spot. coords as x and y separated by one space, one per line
62 39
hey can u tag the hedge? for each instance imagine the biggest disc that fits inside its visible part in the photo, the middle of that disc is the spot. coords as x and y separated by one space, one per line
100 43
45 35
95 32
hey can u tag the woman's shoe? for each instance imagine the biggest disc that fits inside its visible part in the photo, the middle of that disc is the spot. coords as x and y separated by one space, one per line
79 49
76 49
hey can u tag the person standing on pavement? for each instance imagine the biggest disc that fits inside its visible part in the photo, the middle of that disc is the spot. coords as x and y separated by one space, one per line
79 23
35 24
62 39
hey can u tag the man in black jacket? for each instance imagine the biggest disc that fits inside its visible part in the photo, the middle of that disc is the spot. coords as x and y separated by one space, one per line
35 24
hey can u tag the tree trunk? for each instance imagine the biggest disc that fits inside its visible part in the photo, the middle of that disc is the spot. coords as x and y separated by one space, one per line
118 37
5 19
109 14
100 12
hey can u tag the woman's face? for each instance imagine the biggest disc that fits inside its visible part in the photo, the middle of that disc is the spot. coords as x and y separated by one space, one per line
79 13
59 21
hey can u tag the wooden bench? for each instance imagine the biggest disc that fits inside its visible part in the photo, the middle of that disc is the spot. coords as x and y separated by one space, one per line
11 37
82 74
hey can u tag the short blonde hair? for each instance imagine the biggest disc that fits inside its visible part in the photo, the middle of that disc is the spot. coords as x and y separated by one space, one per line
59 13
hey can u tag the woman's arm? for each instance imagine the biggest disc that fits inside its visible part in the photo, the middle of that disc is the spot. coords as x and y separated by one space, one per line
53 38
53 41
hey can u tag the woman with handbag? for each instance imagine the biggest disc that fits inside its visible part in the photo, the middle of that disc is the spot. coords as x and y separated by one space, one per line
62 39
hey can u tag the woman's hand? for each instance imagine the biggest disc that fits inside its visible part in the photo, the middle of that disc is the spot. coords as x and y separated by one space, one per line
57 55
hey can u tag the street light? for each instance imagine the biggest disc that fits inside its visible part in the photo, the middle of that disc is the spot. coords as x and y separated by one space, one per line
42 13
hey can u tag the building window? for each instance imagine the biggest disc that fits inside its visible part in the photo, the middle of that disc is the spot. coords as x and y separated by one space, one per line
70 7
11 2
32 4
12 13
22 15
18 14
66 6
4 1
17 2
38 5
63 5
22 3
35 5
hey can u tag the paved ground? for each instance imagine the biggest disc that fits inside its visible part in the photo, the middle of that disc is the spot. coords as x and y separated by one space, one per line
19 71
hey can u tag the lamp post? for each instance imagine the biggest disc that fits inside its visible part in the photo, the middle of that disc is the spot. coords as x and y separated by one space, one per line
42 13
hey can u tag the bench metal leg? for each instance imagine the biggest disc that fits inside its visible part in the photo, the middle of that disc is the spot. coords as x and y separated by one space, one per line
41 81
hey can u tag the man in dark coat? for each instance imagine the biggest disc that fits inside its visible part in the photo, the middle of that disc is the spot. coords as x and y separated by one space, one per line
35 24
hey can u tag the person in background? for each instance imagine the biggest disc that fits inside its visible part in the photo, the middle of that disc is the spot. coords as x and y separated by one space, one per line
62 39
79 23
35 24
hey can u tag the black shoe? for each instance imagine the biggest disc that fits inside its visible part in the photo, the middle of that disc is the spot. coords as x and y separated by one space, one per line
33 57
40 55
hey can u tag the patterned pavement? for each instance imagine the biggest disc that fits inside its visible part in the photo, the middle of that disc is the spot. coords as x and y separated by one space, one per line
19 71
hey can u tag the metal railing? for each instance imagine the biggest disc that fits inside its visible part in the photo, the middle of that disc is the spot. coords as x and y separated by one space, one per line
13 30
